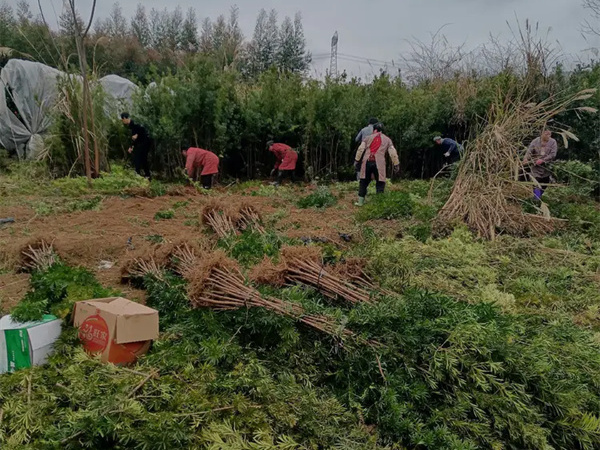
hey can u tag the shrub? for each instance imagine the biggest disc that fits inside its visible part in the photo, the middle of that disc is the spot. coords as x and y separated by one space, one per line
321 198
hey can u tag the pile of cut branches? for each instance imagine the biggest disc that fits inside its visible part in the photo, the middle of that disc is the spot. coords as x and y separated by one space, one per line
487 194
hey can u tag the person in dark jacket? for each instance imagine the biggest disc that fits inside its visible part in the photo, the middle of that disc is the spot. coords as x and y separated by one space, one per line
140 146
452 149
363 134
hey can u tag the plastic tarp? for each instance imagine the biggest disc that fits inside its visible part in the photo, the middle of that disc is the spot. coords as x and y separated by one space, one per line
119 90
33 89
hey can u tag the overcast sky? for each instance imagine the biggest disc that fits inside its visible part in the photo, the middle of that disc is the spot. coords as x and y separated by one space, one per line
379 29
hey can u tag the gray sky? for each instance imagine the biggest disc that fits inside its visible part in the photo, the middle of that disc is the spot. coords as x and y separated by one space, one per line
378 29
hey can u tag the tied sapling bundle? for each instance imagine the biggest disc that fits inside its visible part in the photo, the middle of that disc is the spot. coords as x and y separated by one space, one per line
39 256
487 194
250 219
304 265
219 220
217 283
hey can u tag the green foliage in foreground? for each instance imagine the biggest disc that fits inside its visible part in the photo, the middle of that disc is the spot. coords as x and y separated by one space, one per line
321 198
447 375
56 290
517 274
389 205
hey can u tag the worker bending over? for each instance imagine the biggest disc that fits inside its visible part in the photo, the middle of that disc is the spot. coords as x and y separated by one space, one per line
200 163
370 158
285 161
452 149
541 151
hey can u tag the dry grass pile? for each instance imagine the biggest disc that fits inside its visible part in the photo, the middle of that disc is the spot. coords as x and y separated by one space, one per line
486 195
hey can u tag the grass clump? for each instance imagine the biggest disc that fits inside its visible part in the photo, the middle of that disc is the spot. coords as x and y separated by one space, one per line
166 214
390 205
155 238
321 198
59 206
112 183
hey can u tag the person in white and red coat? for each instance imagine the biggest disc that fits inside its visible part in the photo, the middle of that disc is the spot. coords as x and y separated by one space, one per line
370 159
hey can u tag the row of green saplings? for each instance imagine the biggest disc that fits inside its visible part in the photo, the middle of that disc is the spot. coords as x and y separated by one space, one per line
445 374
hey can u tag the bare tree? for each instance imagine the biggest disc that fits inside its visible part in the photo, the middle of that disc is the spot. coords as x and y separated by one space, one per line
433 60
591 26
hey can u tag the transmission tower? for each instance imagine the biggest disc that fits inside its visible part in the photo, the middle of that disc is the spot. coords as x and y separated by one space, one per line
333 69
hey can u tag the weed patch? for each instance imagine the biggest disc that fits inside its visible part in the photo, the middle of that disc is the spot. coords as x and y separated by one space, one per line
164 215
390 205
321 198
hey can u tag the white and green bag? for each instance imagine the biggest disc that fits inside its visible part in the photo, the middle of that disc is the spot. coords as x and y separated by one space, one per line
23 345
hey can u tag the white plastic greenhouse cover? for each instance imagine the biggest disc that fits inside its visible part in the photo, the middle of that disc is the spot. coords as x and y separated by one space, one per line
33 88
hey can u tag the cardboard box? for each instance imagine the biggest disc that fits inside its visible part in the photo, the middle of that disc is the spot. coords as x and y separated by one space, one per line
23 345
118 329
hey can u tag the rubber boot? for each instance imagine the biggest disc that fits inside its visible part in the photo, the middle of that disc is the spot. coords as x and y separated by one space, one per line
360 202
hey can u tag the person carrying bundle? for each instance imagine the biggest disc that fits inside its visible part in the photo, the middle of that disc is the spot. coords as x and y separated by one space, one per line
541 151
370 159
285 161
200 163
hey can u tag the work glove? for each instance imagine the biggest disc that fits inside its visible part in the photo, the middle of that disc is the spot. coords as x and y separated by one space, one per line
447 154
130 150
397 168
539 162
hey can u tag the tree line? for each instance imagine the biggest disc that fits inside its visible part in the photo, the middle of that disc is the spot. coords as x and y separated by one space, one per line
156 41
216 89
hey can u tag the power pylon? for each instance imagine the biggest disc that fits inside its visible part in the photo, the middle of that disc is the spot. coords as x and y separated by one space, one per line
333 68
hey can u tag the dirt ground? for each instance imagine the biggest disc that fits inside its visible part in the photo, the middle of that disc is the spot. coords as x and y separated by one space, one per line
104 240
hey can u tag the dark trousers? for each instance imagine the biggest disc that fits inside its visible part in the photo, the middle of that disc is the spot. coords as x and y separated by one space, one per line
140 162
285 173
370 171
207 181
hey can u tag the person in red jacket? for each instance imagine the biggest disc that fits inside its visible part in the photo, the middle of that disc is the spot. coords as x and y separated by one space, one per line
286 159
200 163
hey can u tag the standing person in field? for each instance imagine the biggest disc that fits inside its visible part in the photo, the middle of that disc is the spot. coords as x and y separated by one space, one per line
540 153
285 161
370 159
363 134
452 149
140 146
202 164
